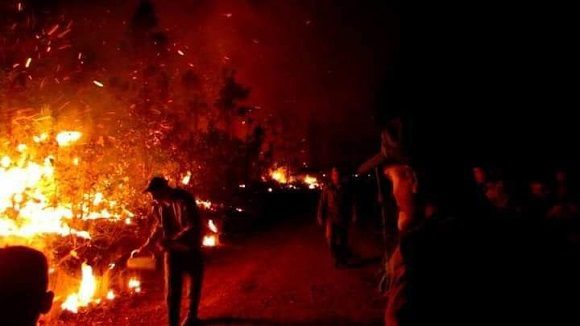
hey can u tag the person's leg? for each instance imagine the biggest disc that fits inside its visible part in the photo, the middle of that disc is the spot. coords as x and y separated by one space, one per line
173 284
332 235
195 271
342 244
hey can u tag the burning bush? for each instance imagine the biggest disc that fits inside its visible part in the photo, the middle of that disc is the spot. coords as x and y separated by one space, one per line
84 126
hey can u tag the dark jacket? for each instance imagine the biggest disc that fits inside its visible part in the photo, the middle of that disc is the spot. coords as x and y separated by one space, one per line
178 220
336 205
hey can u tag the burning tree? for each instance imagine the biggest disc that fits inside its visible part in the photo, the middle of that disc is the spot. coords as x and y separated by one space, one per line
84 124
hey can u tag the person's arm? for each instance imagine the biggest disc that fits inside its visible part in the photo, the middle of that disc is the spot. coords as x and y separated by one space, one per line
322 203
156 233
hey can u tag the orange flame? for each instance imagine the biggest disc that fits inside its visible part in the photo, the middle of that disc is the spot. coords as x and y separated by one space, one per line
280 175
212 226
86 291
312 182
210 240
67 138
135 284
187 178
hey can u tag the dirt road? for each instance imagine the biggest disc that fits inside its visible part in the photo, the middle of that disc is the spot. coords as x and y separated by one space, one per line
282 276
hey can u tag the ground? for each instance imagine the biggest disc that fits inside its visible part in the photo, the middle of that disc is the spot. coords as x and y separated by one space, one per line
282 275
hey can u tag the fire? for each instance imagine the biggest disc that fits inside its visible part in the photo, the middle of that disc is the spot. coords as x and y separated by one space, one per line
86 291
280 175
210 240
5 162
40 138
187 178
312 182
98 83
23 194
134 284
67 138
206 204
212 226
36 211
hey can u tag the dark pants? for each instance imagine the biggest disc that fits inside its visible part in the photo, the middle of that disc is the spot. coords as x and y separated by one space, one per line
177 266
337 237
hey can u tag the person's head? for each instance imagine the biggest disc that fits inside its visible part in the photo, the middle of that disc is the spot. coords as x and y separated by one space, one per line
495 192
538 189
561 176
479 175
23 286
335 176
158 188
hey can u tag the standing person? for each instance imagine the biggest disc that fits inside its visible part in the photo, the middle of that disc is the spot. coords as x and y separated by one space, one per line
23 286
396 167
178 232
336 210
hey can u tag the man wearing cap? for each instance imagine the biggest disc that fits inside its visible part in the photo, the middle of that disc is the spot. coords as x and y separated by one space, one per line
178 232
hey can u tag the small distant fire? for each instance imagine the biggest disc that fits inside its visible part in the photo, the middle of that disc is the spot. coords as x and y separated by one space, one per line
280 175
187 178
211 240
212 226
312 182
285 178
205 204
134 285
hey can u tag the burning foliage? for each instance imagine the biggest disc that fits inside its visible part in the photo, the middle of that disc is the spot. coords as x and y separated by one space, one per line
84 124
284 178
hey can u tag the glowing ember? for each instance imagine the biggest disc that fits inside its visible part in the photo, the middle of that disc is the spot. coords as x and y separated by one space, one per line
187 178
110 295
67 138
98 83
28 61
134 284
210 240
86 291
206 204
212 226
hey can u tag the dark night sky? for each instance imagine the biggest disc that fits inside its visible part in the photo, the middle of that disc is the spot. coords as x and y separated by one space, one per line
490 81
